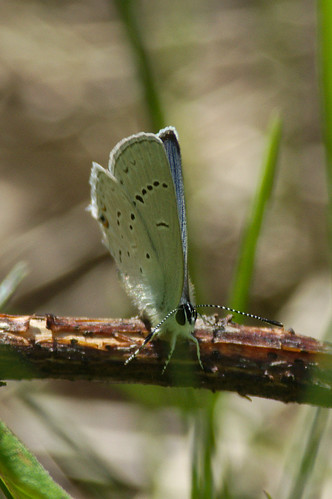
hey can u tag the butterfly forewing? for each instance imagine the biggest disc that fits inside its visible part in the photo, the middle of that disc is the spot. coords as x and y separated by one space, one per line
171 145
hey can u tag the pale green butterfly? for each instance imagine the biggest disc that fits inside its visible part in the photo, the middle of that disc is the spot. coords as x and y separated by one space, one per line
139 204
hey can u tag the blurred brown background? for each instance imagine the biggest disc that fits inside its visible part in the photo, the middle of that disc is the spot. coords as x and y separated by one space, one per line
70 91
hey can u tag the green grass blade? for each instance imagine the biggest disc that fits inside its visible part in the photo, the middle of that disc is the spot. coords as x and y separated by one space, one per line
21 473
11 281
203 485
5 490
128 15
243 274
308 459
325 64
320 416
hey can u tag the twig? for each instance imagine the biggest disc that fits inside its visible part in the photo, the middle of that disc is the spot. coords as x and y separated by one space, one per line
271 363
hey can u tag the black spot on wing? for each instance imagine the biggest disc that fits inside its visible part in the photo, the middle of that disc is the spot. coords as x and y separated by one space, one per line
104 221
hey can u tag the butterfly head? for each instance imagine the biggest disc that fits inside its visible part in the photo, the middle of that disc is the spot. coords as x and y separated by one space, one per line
186 314
178 323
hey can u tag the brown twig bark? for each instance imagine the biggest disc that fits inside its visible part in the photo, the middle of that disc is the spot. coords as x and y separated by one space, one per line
264 362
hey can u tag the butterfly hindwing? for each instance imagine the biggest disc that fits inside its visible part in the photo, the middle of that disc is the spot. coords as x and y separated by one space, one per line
141 166
136 207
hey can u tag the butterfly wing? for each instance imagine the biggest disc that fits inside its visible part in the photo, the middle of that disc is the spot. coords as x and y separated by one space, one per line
136 207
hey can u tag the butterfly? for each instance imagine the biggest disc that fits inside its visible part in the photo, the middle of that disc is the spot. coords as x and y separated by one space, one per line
140 206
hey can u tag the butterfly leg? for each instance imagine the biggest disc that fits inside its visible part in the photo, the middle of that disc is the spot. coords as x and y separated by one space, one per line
172 347
195 340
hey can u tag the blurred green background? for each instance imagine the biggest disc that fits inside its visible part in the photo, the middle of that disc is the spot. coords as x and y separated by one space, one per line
71 88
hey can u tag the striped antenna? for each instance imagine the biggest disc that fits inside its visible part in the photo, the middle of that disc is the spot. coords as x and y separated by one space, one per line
150 336
228 309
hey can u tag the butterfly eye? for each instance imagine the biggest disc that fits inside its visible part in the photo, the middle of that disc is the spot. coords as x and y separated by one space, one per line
180 316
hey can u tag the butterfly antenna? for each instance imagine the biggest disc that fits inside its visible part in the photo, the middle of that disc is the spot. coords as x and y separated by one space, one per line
150 336
228 309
